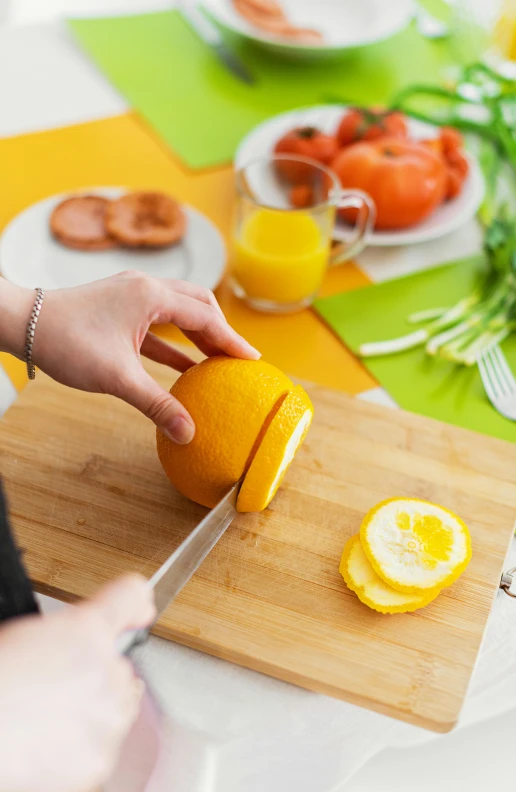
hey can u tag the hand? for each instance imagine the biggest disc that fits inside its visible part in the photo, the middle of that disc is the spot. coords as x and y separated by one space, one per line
90 337
67 697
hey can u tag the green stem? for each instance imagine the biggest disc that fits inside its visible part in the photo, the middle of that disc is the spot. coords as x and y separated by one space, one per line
418 337
483 343
426 316
453 351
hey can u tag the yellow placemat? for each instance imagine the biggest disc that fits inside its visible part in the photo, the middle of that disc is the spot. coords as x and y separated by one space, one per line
121 151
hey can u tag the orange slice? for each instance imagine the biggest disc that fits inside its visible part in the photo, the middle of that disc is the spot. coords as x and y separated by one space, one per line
370 589
276 451
414 545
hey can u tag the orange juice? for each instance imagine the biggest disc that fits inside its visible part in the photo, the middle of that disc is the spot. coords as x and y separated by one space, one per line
280 256
504 35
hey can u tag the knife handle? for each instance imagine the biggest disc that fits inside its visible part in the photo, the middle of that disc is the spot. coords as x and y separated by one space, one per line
131 638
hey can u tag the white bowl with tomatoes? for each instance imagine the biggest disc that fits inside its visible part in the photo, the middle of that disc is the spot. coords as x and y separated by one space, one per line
422 180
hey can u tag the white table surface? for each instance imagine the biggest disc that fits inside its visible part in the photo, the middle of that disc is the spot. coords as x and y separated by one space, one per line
230 729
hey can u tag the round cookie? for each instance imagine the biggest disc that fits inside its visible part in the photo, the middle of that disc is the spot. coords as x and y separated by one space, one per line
146 219
79 223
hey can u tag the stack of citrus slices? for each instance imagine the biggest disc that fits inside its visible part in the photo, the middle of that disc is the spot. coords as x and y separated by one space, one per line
407 551
249 419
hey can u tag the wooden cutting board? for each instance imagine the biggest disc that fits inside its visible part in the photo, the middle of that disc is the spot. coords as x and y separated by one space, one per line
89 501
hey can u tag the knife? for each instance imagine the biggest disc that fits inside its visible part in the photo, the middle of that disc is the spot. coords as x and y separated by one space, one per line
209 33
179 567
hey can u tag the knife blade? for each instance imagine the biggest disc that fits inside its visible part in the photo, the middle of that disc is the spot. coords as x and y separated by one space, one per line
179 567
209 33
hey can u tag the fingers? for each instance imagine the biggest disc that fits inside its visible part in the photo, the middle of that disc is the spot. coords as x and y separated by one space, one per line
200 342
130 693
169 415
125 604
192 290
158 350
206 322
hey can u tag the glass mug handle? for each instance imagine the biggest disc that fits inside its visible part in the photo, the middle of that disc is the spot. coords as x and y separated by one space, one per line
353 199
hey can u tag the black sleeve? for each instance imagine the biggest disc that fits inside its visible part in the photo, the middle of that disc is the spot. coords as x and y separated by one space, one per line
16 596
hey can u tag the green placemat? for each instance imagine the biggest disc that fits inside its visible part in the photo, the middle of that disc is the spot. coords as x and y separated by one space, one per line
429 386
202 112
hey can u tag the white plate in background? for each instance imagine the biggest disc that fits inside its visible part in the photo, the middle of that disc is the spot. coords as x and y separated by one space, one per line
343 23
31 257
260 142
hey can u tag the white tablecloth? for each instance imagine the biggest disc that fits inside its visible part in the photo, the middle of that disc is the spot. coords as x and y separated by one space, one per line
227 729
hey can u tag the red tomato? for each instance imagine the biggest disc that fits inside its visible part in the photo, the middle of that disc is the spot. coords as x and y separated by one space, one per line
304 142
456 159
370 124
435 144
301 196
406 180
449 146
451 140
454 183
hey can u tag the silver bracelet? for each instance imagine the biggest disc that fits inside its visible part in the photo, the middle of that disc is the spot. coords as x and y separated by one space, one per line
31 328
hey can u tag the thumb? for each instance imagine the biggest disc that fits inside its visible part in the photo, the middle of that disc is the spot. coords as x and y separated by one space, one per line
164 410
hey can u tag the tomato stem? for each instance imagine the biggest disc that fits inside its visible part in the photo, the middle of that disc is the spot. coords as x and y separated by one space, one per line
307 133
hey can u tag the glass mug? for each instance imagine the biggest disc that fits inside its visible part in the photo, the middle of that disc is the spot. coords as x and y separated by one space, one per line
283 230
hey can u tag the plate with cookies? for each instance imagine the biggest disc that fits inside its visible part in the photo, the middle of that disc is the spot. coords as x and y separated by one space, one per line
71 239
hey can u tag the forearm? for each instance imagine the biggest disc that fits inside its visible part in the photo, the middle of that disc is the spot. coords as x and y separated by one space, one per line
15 308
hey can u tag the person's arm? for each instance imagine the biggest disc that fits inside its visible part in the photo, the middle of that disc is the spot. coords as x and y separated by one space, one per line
67 697
15 309
91 338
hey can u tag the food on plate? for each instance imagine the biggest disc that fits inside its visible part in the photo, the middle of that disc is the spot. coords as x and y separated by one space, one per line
137 219
235 404
415 546
307 142
273 21
360 577
301 196
280 256
361 123
457 167
406 180
79 223
451 140
145 219
371 150
269 17
307 36
450 146
268 7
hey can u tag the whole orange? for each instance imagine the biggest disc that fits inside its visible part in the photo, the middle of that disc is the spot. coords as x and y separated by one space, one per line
231 402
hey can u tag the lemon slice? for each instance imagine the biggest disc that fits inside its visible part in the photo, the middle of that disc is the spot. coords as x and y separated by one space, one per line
415 546
276 451
370 589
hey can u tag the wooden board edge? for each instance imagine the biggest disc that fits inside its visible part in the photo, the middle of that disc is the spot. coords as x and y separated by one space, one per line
302 681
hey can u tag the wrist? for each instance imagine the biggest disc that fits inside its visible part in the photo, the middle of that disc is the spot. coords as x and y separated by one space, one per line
15 309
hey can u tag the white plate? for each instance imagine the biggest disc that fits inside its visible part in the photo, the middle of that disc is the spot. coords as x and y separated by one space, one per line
31 257
343 23
446 218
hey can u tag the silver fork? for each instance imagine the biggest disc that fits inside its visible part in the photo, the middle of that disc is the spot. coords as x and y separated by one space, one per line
499 381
